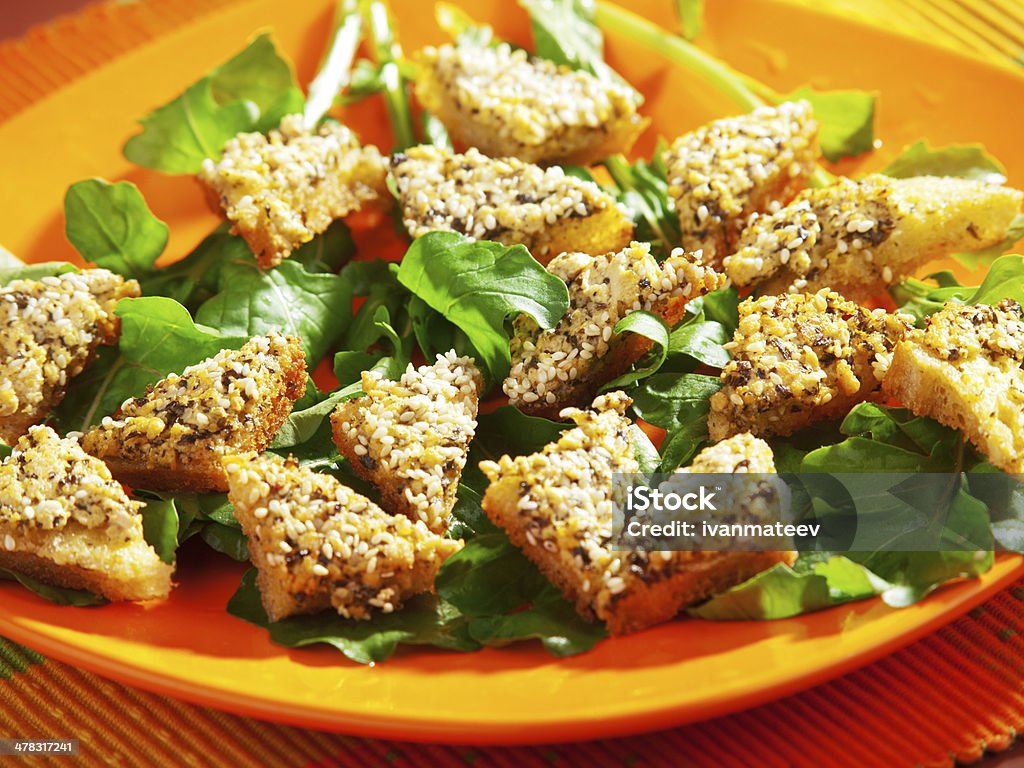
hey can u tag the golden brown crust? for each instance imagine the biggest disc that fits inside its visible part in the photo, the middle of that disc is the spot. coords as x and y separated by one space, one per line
66 522
965 371
410 437
74 577
49 332
173 438
551 506
317 543
282 189
508 201
567 365
799 359
507 104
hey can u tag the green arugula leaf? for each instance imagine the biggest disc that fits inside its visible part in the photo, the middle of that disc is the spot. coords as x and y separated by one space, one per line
847 120
643 189
1004 280
158 337
327 252
193 279
964 161
489 580
886 439
19 271
564 31
111 226
817 581
478 285
506 430
286 298
488 576
679 405
304 425
424 620
697 339
651 326
690 14
160 527
468 516
79 598
550 619
1003 494
5 451
250 92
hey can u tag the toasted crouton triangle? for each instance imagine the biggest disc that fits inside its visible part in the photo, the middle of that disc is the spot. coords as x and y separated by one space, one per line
557 507
966 370
49 330
318 544
568 364
506 103
66 522
281 189
410 437
174 436
858 237
508 201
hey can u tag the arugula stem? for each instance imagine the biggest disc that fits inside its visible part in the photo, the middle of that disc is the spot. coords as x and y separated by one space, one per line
335 70
389 55
678 51
747 92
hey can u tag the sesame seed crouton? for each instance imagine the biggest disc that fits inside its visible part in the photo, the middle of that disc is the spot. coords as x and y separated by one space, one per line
506 103
966 370
740 453
174 436
557 507
857 237
410 438
280 190
318 544
66 522
727 170
753 498
801 358
508 201
565 366
49 331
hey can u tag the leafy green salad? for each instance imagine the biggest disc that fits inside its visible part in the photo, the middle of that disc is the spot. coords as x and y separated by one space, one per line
355 312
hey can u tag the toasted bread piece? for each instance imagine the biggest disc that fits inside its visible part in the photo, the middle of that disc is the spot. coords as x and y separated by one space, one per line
567 365
280 190
740 453
174 436
49 331
966 370
556 506
858 237
727 170
506 200
65 521
410 438
318 544
507 104
798 359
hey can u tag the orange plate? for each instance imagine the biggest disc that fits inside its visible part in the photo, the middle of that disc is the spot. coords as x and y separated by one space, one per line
190 648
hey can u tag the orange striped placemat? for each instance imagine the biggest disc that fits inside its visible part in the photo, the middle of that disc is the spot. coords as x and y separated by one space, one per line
948 697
